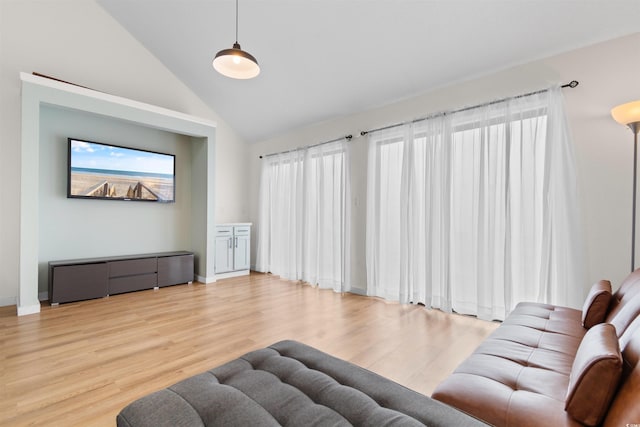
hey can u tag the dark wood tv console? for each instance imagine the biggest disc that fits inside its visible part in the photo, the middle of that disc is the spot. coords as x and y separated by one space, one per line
81 279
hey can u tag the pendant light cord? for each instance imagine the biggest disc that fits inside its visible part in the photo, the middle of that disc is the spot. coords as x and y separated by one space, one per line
236 21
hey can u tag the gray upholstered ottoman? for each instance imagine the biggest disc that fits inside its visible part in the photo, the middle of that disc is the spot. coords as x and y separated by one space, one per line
291 384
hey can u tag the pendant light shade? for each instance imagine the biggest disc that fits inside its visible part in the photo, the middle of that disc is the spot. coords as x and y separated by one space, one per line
235 62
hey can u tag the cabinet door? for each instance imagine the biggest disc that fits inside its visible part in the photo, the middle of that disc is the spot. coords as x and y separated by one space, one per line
79 282
224 254
241 252
173 270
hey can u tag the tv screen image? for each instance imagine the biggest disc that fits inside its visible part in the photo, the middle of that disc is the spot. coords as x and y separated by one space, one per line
111 172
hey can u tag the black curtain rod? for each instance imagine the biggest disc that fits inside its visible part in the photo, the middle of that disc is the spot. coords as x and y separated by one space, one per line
571 84
347 137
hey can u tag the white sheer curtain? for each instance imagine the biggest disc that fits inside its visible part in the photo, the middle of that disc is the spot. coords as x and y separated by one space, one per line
304 218
475 211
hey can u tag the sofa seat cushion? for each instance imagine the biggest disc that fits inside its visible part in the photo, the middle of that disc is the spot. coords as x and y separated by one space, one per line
519 375
289 383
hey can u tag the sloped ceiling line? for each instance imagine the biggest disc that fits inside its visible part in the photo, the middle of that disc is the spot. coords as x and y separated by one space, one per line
321 60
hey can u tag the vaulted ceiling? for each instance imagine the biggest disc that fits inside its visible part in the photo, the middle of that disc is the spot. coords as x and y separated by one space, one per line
325 59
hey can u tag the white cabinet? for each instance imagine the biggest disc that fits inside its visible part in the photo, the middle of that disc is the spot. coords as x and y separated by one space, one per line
224 249
241 247
233 250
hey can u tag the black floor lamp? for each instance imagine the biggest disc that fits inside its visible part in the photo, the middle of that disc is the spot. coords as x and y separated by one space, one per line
629 114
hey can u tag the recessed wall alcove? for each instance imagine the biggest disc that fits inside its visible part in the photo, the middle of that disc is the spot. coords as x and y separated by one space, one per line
46 101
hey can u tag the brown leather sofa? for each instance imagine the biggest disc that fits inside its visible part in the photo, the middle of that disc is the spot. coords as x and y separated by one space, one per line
556 366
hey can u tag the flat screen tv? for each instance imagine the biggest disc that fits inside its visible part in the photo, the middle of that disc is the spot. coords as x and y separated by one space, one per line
110 172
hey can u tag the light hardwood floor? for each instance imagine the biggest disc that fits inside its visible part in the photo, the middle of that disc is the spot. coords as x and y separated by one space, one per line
81 363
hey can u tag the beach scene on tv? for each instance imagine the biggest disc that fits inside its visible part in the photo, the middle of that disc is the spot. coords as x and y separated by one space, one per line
106 171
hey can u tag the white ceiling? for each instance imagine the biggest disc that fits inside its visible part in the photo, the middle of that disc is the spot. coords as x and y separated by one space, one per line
325 59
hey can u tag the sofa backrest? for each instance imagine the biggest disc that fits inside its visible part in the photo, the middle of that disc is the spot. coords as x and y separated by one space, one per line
625 407
624 314
625 303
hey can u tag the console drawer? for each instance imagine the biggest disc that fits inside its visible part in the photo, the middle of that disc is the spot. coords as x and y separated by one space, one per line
241 230
121 285
133 267
224 230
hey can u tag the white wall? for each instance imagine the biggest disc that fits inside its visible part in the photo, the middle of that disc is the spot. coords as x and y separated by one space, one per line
608 75
77 41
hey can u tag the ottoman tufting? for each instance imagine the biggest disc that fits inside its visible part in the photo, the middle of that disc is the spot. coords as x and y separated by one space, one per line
289 383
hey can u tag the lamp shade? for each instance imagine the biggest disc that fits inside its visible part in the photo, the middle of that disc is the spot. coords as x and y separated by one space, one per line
236 63
627 114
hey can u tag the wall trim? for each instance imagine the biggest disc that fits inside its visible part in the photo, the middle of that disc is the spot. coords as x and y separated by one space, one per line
232 274
38 91
71 88
24 310
205 280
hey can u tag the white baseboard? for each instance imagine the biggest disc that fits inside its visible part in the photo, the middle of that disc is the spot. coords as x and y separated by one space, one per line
205 280
28 309
5 301
22 310
232 274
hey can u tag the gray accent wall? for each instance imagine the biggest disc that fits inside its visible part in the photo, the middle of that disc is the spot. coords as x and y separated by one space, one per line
80 228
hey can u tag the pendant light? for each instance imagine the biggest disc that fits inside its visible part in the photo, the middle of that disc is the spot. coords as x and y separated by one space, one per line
235 62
